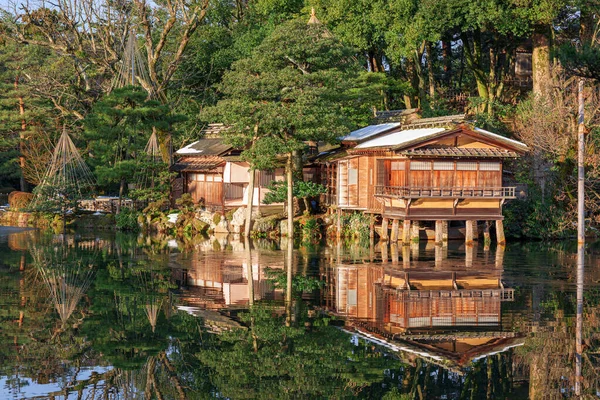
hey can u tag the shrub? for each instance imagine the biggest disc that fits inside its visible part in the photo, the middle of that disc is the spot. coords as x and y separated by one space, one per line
19 200
127 220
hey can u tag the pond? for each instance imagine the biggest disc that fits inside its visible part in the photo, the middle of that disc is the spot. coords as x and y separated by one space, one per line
104 316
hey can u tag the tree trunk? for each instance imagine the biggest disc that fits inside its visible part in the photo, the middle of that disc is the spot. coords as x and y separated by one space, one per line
540 62
447 55
473 62
289 288
290 194
23 182
430 72
250 200
121 192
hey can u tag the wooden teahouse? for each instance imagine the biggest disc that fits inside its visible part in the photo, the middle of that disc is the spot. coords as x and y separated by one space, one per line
439 169
215 176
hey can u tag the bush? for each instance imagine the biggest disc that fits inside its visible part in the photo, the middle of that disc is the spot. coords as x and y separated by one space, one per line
127 220
19 200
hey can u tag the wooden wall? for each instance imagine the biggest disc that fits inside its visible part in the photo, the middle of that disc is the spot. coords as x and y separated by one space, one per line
206 186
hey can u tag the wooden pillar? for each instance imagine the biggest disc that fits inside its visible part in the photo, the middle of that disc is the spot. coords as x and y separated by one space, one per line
394 252
469 233
499 262
470 252
384 251
486 236
414 234
500 232
445 225
414 248
439 255
406 257
394 235
339 224
406 232
372 228
439 232
384 229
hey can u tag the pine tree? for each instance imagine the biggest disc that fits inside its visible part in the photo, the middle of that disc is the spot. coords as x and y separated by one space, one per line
22 116
118 129
295 87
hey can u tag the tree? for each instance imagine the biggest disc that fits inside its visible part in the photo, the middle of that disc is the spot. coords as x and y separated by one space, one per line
23 115
292 89
117 130
91 34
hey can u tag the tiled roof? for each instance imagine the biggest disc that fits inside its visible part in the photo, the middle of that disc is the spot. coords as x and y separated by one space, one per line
460 152
197 164
213 130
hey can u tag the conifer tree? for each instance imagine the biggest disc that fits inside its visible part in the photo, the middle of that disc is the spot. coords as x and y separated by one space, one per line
118 129
297 86
22 114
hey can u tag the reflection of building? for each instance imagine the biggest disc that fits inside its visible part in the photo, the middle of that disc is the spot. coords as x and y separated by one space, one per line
219 280
455 316
402 300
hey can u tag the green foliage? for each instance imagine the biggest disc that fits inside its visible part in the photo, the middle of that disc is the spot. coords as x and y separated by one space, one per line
292 88
185 202
127 220
118 129
299 283
583 61
356 225
301 189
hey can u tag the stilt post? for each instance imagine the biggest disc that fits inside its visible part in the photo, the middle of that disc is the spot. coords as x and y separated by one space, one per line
384 229
394 235
500 232
469 233
414 235
406 232
439 232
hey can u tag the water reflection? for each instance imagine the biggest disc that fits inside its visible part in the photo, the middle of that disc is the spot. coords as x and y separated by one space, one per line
136 317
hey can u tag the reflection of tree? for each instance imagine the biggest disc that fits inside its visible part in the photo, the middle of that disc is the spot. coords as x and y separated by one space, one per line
290 361
66 276
66 280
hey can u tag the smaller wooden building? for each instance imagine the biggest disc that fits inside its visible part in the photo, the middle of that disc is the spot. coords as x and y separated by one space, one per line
215 176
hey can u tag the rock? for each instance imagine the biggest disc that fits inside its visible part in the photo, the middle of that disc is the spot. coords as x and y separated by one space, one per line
266 224
238 218
222 226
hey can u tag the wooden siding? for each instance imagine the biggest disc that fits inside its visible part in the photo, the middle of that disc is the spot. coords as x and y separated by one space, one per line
205 188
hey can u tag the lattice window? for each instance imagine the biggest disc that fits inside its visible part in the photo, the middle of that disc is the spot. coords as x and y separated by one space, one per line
420 165
489 166
443 165
466 166
397 166
199 177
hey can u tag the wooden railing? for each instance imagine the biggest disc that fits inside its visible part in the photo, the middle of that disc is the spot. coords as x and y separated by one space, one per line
446 192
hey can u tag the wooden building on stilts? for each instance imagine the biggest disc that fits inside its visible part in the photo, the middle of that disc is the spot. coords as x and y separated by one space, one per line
433 169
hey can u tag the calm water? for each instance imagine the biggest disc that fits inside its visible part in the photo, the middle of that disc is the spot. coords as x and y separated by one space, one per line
94 316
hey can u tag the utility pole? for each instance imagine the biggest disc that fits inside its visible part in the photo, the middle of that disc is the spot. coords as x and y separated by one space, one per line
580 240
580 168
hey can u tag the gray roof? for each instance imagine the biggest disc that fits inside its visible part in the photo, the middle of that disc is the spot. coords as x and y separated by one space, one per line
369 131
205 147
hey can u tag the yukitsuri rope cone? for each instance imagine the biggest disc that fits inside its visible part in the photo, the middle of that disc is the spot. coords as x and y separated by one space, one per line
66 279
67 178
132 70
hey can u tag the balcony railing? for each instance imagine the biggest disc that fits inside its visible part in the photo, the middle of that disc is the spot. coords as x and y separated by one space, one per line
445 192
